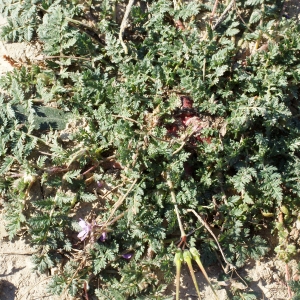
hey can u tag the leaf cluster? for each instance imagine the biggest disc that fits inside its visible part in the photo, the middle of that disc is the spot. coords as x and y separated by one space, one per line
86 134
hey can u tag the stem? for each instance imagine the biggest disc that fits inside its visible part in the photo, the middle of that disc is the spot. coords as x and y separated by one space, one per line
213 11
204 69
126 118
180 148
119 202
177 66
185 139
210 231
37 138
123 25
240 16
64 56
114 12
85 291
260 32
121 215
81 23
177 283
223 15
90 169
179 222
171 187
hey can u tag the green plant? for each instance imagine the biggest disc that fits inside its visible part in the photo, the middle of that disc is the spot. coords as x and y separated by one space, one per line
219 116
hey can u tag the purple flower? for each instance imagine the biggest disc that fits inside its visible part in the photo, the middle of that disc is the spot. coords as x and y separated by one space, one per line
127 255
99 184
86 228
103 237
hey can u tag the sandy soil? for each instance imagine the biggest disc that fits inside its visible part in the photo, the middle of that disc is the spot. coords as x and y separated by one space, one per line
18 281
266 277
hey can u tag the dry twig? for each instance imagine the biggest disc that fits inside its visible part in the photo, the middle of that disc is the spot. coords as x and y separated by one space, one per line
223 15
123 25
214 10
213 235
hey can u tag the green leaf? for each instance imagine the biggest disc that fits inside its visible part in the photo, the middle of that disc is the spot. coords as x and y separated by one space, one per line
70 175
253 2
247 199
221 70
44 118
8 161
232 31
255 16
87 197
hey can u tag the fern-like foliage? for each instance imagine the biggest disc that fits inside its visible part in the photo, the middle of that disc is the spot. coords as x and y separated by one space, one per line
88 135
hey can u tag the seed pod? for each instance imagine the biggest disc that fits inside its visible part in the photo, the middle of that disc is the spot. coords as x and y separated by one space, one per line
196 257
178 259
74 200
187 256
267 214
285 210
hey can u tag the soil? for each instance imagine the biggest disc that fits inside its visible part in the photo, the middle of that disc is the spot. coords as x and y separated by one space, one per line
265 278
18 280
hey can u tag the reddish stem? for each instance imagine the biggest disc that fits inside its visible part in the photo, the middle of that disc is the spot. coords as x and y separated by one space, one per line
85 291
89 170
55 170
214 10
183 242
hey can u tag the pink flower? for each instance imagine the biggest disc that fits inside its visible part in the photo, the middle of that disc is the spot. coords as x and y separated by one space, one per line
86 228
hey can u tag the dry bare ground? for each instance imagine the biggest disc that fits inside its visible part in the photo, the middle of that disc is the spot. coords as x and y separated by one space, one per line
18 280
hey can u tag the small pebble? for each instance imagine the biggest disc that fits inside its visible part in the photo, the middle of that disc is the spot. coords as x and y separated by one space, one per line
268 295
